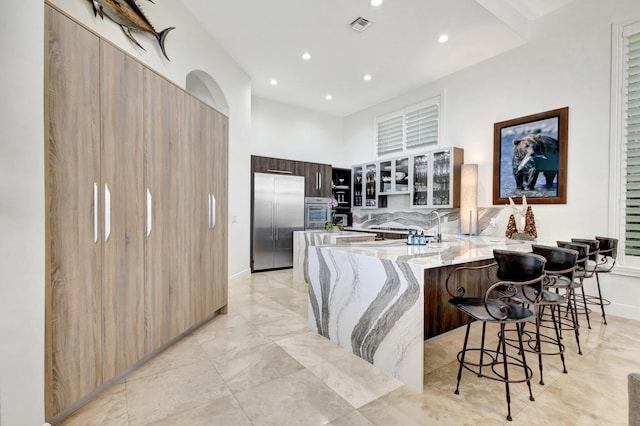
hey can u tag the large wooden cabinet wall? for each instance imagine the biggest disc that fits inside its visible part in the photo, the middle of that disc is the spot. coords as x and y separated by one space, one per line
136 214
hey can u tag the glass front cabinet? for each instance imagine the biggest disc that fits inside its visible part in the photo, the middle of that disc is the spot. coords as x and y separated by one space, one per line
365 189
431 179
435 180
394 176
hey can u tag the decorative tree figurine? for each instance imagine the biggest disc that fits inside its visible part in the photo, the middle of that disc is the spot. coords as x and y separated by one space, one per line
511 227
530 223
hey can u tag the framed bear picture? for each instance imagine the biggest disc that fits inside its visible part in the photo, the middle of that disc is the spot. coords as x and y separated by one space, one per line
530 158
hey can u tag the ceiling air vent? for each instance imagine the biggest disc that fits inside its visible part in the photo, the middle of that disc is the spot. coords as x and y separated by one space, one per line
360 24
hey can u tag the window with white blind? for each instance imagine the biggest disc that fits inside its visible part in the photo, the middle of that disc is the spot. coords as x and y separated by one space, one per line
415 126
632 140
625 143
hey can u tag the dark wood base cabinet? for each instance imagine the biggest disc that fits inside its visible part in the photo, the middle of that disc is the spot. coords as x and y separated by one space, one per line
136 213
439 315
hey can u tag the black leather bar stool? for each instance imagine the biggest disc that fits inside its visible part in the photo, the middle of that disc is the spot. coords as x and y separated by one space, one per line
512 270
607 254
588 271
560 268
570 286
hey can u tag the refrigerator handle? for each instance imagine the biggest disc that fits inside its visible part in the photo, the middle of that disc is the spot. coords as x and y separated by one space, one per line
276 227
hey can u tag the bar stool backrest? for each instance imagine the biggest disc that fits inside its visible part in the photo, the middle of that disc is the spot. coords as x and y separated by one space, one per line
594 246
581 248
517 267
608 248
561 262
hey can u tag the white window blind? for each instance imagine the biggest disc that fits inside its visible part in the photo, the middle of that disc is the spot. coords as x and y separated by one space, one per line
632 141
390 135
422 126
415 126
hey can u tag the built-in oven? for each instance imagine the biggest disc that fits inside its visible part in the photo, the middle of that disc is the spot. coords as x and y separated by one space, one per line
316 212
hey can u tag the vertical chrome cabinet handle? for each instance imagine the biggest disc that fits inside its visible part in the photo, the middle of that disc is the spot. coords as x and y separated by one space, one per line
213 211
320 180
95 212
107 212
209 211
149 213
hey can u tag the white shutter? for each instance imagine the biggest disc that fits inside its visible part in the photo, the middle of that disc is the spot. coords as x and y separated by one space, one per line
422 127
632 142
389 135
411 127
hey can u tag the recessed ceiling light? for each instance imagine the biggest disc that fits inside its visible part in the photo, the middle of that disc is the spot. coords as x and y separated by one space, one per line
376 3
328 97
273 82
443 38
367 77
306 56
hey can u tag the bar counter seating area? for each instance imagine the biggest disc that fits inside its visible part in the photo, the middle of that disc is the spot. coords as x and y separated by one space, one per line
505 320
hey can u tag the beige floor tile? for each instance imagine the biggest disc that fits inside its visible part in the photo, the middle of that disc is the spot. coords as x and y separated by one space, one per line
352 419
228 341
283 328
220 412
296 399
108 409
184 352
355 380
310 349
255 365
154 397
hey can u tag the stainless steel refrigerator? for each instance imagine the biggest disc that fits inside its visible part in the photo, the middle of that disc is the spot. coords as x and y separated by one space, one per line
278 210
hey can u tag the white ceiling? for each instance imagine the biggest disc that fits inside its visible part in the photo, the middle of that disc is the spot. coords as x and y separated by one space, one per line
400 50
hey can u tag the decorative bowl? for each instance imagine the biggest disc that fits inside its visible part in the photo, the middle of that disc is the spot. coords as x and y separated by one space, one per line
400 175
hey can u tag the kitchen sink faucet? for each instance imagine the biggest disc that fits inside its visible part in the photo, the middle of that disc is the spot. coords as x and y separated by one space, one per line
439 234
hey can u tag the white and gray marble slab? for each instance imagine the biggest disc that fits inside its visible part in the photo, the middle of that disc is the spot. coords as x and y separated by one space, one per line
369 297
303 239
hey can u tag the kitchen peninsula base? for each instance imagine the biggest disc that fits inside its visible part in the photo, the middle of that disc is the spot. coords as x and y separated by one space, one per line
381 299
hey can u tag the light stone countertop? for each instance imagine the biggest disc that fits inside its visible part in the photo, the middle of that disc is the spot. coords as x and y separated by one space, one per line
454 249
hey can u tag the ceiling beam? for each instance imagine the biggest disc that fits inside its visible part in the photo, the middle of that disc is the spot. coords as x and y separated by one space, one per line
510 15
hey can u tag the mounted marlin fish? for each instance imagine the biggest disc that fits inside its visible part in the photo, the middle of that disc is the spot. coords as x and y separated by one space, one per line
130 17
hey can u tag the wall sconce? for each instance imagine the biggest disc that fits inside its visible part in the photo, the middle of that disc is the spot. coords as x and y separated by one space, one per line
469 199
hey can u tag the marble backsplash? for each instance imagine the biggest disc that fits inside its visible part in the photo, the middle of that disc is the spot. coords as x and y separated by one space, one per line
424 220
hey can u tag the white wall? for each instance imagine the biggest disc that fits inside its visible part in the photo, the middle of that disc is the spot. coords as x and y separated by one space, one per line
284 131
567 63
21 214
22 172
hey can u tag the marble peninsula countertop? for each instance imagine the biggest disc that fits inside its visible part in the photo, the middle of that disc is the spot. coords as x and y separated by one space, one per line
453 249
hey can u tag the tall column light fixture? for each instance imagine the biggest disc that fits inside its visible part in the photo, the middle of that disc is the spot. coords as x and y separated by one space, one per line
469 199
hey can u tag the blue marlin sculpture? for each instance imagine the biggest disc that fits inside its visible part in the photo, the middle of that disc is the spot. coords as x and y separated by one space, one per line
130 17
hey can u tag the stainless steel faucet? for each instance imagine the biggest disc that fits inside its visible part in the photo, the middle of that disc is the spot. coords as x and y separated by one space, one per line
439 234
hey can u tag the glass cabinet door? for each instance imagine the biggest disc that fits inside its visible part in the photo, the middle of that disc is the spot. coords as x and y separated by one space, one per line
386 177
441 178
401 175
357 187
420 166
370 186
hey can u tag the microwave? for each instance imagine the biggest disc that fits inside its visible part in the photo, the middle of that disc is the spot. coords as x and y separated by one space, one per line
316 212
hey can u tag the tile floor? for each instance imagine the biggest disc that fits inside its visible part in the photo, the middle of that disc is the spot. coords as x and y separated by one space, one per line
259 365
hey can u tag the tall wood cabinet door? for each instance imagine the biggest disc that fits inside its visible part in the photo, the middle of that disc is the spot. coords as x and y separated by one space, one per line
73 310
215 164
219 243
166 295
122 187
198 214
